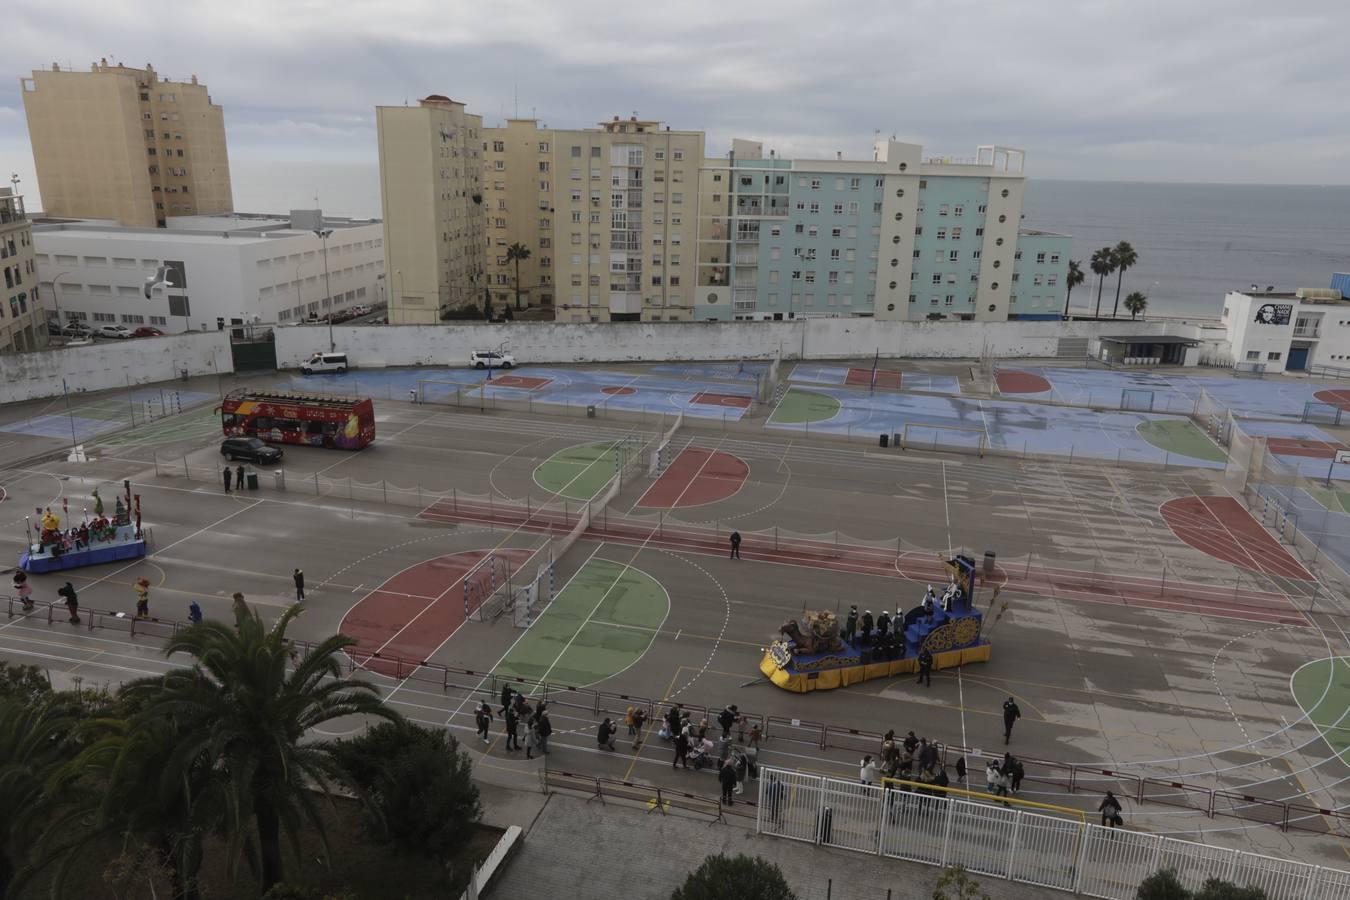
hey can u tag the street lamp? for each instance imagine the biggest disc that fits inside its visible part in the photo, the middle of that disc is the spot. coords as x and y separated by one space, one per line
323 234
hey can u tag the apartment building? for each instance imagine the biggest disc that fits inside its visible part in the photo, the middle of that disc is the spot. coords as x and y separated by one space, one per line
431 190
609 215
901 236
223 270
126 145
1277 331
22 322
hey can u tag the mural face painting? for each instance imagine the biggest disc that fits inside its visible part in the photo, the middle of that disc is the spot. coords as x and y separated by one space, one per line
1274 313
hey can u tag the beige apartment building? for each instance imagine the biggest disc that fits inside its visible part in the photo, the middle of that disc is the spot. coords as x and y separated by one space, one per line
431 191
609 215
23 325
125 144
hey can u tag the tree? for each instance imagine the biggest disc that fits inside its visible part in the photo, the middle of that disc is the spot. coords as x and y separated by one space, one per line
515 253
24 684
1102 265
417 785
31 745
740 876
961 886
1073 279
1135 304
241 710
1162 885
1214 889
1122 257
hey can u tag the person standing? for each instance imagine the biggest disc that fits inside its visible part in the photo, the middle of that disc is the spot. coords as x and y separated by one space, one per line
1011 713
865 634
72 602
867 771
228 475
883 625
735 545
755 735
194 613
142 587
239 478
543 728
240 608
851 623
727 776
507 691
925 667
511 721
531 737
681 750
727 718
1110 810
23 589
604 735
298 576
639 722
483 717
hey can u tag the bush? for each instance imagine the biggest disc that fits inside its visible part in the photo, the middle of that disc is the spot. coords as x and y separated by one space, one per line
1162 885
462 313
1214 889
26 684
737 877
417 786
961 886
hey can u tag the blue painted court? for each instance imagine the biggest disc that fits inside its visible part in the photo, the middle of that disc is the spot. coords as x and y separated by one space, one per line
1171 392
1021 428
622 391
387 384
60 427
747 371
808 373
91 418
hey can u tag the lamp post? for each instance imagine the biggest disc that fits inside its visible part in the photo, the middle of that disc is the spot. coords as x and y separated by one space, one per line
56 299
322 234
398 273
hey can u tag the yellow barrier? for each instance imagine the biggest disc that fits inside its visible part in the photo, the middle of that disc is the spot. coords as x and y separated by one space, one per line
1029 805
828 679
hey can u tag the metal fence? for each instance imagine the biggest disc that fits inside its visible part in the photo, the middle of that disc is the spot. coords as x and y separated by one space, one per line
1015 845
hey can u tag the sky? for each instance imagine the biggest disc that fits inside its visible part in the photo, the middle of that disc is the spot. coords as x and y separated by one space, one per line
1230 91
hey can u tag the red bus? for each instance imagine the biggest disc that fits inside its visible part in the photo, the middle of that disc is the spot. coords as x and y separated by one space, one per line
287 417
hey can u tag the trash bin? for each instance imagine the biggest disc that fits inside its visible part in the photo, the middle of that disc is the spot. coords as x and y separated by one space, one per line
279 477
988 563
252 478
885 440
590 411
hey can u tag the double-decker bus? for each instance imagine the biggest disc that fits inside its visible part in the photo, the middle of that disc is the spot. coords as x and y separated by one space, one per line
287 417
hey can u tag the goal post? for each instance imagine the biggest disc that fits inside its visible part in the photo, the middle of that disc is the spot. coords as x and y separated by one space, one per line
431 390
1249 369
1319 413
487 588
926 436
1136 400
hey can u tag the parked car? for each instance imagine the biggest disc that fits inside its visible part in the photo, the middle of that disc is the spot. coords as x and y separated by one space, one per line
147 331
113 331
76 329
325 362
360 309
481 359
251 449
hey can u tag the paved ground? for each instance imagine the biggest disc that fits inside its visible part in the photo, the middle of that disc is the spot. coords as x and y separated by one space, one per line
1129 649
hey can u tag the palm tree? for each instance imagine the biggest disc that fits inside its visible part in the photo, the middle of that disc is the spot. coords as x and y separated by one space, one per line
1102 265
1123 257
515 253
31 745
1135 303
240 710
1074 278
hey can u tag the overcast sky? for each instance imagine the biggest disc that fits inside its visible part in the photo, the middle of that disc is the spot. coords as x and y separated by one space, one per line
1144 90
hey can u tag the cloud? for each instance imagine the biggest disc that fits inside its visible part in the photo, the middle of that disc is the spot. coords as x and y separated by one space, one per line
1149 89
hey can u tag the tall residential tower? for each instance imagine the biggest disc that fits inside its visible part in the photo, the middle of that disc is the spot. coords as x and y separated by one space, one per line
431 190
127 145
22 324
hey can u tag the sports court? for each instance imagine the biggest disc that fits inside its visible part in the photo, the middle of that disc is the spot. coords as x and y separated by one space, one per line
1256 398
1145 627
890 379
1020 428
84 420
614 390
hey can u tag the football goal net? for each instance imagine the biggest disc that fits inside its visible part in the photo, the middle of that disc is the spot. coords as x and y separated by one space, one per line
1319 413
959 438
1249 369
1136 399
487 588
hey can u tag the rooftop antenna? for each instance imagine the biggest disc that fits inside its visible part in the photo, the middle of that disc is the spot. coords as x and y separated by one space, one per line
14 180
515 94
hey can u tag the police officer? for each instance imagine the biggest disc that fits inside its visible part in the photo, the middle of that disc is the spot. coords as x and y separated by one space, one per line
865 636
1011 714
925 667
851 623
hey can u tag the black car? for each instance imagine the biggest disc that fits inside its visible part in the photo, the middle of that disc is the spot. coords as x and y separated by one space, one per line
251 449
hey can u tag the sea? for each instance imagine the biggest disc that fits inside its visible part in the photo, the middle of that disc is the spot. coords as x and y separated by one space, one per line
1195 241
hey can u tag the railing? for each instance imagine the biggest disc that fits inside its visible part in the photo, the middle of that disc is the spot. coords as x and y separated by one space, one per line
1070 778
657 799
1014 844
1306 332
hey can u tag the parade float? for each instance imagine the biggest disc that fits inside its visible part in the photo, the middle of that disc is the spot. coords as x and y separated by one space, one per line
95 540
814 655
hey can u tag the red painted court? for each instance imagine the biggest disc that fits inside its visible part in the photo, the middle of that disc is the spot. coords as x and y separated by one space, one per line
524 382
416 610
1015 382
1222 527
734 401
863 377
695 477
1339 398
1303 447
618 391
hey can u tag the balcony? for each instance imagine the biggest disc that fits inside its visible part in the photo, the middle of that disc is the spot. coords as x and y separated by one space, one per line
1307 331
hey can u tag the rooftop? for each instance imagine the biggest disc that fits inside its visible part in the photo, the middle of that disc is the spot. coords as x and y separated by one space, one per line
1037 232
247 227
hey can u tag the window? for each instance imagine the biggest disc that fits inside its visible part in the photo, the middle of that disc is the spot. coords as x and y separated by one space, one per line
979 232
499 165
797 275
834 254
947 301
773 276
1052 280
799 228
775 253
676 197
943 209
876 207
912 298
937 256
956 234
1054 260
953 256
1040 259
1253 355
815 209
543 146
576 217
812 231
498 146
975 254
937 278
982 208
576 152
834 278
854 184
942 234
102 317
815 184
1273 356
810 277
916 253
678 155
853 207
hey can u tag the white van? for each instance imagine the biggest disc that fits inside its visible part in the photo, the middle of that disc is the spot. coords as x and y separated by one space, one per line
325 362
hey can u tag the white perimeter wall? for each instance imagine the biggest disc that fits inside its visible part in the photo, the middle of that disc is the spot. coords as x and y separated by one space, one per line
112 364
550 342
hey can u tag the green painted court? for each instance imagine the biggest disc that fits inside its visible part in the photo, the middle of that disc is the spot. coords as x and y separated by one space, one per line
1327 706
601 622
579 472
800 406
1182 437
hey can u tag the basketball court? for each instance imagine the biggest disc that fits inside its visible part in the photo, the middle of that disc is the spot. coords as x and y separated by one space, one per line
1222 527
696 477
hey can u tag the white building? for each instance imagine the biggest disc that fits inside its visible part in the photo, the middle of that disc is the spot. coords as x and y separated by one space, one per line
1283 330
231 269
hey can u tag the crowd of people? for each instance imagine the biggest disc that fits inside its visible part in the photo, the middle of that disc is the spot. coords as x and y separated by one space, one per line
517 713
